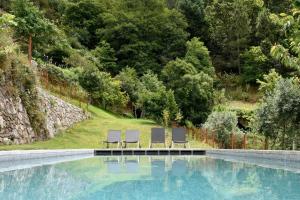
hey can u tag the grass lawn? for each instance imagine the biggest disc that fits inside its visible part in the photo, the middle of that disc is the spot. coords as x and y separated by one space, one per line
242 105
91 133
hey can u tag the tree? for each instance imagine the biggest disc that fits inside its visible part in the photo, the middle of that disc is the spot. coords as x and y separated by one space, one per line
230 29
153 98
193 91
106 57
198 55
194 11
288 52
31 23
84 18
131 84
102 88
278 115
145 34
255 64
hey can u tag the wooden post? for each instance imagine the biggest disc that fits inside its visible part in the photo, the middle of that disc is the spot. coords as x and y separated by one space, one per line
232 140
206 136
213 139
245 141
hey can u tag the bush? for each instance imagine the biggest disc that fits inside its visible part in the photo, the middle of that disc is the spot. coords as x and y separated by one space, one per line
102 88
223 124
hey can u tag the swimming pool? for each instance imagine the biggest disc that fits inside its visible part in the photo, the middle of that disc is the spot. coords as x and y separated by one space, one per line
149 177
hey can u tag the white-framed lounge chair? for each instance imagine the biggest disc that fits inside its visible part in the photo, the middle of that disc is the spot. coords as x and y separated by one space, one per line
113 137
157 136
132 136
179 137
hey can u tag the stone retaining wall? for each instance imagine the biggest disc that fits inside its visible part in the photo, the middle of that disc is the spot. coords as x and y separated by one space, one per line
15 127
60 114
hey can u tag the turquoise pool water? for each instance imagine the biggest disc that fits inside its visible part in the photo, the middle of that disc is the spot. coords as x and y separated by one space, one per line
143 178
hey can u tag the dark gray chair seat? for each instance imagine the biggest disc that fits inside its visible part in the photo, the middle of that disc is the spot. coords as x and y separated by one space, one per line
179 137
157 136
132 136
113 137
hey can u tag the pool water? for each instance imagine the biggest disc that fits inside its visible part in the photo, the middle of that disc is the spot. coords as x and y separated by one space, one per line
143 178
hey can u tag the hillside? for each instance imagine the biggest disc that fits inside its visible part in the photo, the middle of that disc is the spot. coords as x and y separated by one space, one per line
90 133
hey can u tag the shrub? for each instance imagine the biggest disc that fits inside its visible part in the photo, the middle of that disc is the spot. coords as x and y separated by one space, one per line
102 88
223 124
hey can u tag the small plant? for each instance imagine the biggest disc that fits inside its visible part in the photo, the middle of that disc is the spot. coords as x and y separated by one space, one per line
166 118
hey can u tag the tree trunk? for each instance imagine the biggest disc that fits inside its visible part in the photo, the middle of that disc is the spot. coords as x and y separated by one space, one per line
30 49
266 143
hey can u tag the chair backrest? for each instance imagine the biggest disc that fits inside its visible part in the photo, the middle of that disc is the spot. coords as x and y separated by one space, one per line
158 135
132 135
114 136
179 135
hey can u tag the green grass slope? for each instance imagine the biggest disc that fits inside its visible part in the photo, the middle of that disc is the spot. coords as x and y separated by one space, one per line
90 133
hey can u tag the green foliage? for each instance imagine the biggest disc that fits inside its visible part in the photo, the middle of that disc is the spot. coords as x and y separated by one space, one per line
102 88
25 81
145 34
278 115
19 81
84 18
194 11
31 21
230 29
106 57
193 91
223 124
198 55
153 98
255 64
269 82
130 83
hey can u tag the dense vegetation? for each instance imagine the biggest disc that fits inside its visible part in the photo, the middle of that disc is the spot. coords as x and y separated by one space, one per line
173 60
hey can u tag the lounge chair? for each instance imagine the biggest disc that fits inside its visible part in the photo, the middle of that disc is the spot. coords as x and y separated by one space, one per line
132 136
157 136
179 137
113 137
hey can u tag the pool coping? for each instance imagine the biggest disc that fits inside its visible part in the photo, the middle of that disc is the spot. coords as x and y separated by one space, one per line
36 154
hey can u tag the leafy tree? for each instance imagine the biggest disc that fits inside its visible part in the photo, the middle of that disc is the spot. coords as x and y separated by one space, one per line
131 84
153 98
279 6
194 11
288 52
193 91
255 64
84 18
102 88
106 57
31 23
198 55
230 29
269 82
145 34
278 114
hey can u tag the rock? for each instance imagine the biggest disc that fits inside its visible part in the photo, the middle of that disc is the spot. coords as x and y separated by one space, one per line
2 123
6 141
